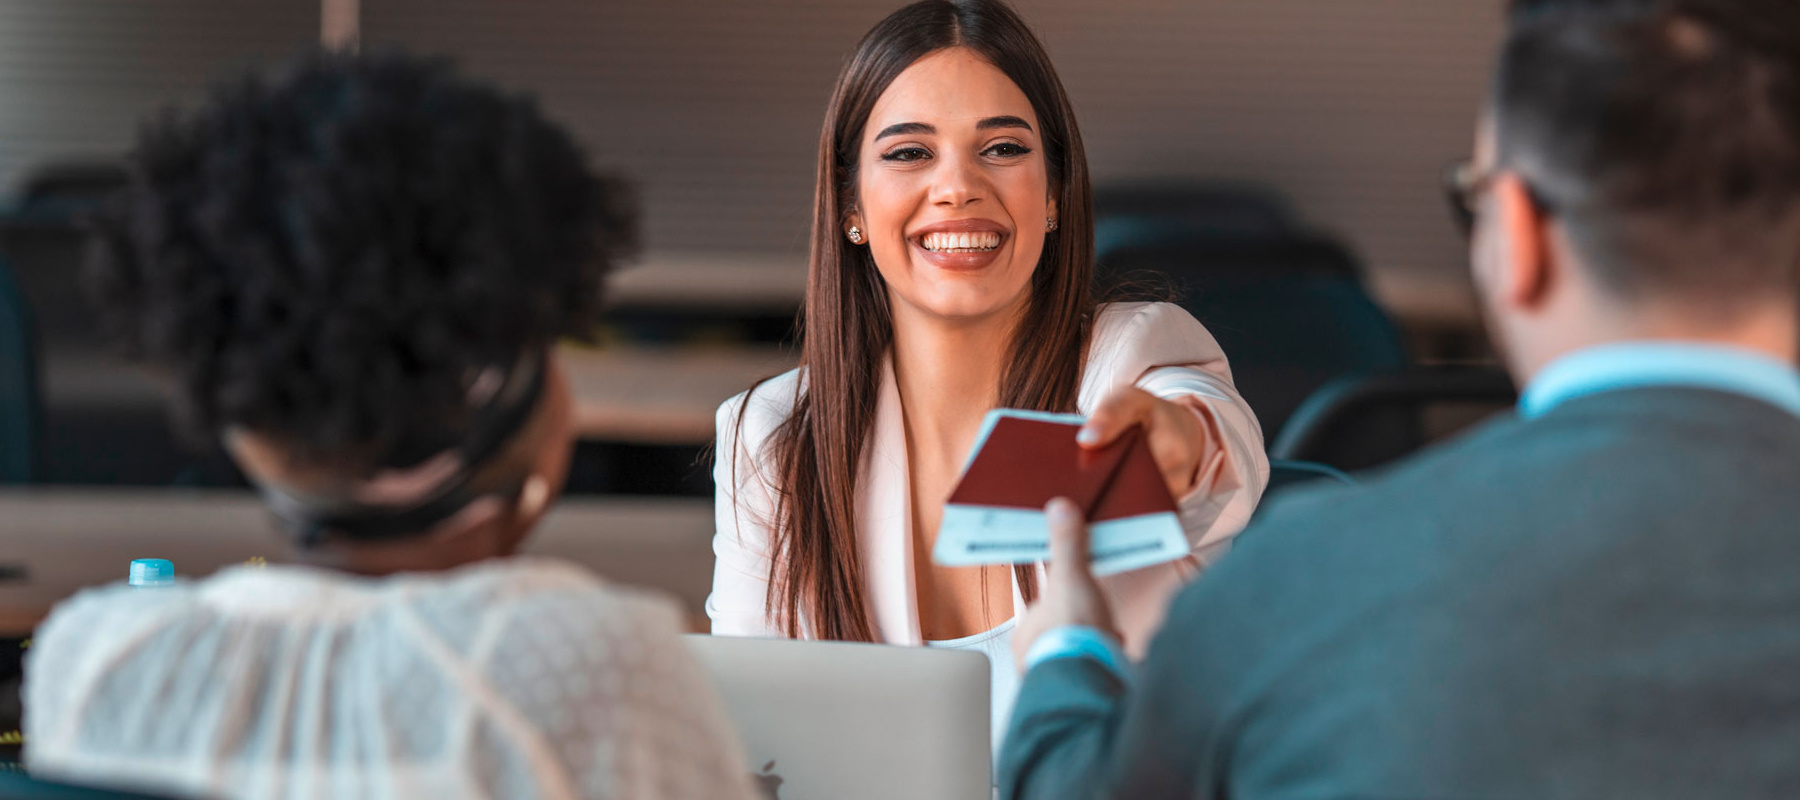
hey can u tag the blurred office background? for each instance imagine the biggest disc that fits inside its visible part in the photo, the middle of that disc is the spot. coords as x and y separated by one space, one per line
1348 107
1342 110
1278 160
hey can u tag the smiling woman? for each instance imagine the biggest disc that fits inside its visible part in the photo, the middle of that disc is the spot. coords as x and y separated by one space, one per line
952 256
954 192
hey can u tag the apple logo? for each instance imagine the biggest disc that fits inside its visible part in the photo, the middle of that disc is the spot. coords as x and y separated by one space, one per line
769 782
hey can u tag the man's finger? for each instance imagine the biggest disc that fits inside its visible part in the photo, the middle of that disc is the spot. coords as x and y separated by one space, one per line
1068 540
1127 407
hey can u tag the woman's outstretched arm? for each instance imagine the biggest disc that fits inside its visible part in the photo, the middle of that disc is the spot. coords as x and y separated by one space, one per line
1153 364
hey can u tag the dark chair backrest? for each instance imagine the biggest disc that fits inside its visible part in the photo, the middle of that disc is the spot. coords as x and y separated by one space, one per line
1330 427
43 235
16 785
20 405
1167 212
46 252
109 424
1291 315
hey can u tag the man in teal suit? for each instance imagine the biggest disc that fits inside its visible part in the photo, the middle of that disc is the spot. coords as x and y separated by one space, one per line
1597 597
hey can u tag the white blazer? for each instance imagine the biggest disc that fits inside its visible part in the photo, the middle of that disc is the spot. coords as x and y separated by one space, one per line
1156 346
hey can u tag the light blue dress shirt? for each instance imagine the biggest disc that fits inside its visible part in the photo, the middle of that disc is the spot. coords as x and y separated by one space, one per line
1640 364
1626 365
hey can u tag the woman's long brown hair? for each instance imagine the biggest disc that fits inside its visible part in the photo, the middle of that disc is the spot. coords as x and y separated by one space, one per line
817 452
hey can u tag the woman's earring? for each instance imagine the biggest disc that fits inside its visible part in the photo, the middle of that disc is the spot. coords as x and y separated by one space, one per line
533 495
855 234
1049 224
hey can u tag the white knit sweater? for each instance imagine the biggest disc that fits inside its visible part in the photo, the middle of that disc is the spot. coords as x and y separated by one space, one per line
514 678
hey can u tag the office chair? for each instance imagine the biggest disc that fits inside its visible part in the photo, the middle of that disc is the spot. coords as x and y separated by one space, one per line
1149 213
113 427
20 410
1331 425
1290 313
41 234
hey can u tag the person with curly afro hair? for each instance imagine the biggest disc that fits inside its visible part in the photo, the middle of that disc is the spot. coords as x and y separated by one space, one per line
353 271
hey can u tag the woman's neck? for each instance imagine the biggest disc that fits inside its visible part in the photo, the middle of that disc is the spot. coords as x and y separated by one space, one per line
948 375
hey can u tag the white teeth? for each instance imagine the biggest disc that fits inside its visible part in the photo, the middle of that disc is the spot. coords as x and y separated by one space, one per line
970 242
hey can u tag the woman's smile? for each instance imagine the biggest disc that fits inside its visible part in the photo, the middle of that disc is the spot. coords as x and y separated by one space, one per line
960 245
959 242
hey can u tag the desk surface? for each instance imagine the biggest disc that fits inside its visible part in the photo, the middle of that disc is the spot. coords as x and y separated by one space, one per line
66 540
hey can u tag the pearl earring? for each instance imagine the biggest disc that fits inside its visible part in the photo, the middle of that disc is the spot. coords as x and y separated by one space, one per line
1049 224
855 234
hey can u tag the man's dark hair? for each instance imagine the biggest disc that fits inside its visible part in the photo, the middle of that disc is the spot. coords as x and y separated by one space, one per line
1664 134
329 254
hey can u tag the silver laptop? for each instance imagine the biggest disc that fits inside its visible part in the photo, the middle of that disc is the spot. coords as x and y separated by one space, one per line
830 721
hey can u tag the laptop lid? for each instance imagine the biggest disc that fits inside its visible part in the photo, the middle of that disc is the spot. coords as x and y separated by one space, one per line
829 720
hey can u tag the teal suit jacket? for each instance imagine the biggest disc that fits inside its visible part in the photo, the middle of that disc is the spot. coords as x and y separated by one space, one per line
1603 602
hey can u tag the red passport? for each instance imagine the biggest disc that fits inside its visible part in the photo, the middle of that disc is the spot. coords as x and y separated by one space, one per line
1024 459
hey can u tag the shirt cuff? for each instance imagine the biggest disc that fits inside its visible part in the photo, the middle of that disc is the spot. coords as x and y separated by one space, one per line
1079 641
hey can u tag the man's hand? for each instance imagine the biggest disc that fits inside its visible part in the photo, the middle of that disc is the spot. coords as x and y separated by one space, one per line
1071 596
1178 436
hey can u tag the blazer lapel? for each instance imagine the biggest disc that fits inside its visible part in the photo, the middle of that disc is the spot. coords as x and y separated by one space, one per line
884 519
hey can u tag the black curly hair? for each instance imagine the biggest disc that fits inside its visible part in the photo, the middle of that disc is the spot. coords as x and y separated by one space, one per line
329 253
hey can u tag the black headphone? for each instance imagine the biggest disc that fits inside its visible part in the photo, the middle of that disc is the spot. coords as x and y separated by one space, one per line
310 522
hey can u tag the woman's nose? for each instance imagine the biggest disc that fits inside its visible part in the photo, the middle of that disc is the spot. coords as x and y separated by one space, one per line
957 182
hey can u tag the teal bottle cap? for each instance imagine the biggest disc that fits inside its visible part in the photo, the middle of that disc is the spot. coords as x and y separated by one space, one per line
152 572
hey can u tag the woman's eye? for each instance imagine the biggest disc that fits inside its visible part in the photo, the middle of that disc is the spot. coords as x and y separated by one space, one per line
905 154
1007 150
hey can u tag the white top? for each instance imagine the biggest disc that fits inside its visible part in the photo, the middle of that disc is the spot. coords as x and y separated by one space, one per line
1156 347
996 644
512 678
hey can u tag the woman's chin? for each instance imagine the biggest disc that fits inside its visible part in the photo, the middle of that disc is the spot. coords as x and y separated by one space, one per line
962 308
962 296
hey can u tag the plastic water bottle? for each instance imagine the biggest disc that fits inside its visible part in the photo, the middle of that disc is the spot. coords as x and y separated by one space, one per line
149 573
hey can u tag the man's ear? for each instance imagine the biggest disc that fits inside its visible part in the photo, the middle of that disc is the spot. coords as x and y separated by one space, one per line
1526 270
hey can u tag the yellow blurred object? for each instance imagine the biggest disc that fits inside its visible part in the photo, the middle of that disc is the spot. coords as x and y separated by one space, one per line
12 737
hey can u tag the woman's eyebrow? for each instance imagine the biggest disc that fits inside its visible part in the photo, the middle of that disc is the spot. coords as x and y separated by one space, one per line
904 128
991 123
1002 122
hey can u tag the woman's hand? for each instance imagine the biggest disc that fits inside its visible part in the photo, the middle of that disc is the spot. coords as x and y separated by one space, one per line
1178 436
